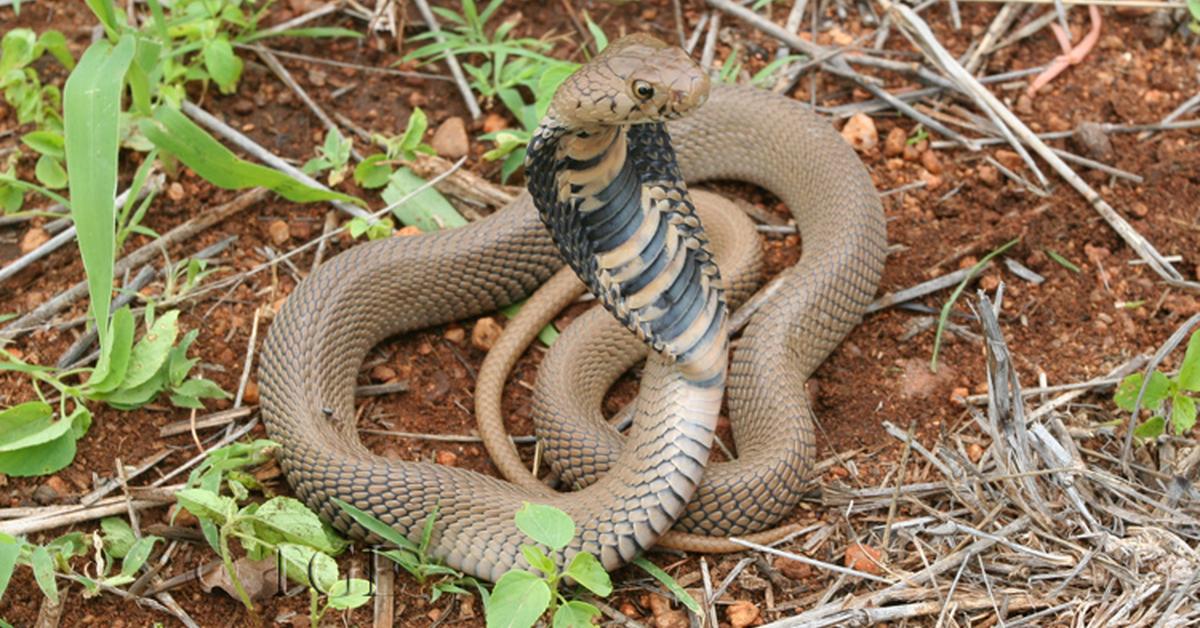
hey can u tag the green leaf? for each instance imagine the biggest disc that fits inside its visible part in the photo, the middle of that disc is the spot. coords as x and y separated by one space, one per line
117 535
575 614
294 522
539 561
50 172
318 31
1183 413
945 313
138 554
114 353
55 43
1151 429
1127 392
30 423
546 525
373 172
517 601
414 132
49 143
588 571
1062 261
202 389
43 572
92 104
669 582
1194 8
1189 371
428 210
174 133
377 527
346 594
107 15
40 459
152 351
206 504
178 365
300 562
222 64
10 548
16 50
597 33
131 398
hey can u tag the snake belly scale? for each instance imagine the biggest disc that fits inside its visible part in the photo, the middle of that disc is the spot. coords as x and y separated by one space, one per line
318 340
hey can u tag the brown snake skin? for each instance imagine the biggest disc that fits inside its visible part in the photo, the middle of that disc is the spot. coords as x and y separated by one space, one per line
317 343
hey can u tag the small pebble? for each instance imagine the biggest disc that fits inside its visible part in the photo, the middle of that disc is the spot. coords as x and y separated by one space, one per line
1091 137
450 139
485 333
989 175
494 122
383 373
409 230
930 161
974 452
894 144
447 458
279 231
743 613
664 615
175 191
455 334
860 132
793 569
317 77
243 106
33 238
863 558
250 395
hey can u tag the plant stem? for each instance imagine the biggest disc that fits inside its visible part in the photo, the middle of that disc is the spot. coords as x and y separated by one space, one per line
227 559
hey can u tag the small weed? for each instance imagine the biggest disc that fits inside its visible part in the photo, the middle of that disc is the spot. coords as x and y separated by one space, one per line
1165 396
280 527
521 597
414 557
1062 261
333 156
962 285
114 542
919 135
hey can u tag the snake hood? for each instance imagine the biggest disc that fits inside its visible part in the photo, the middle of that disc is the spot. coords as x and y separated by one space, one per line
603 175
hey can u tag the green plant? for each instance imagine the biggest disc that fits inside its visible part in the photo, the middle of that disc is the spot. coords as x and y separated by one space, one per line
521 597
1194 9
428 210
116 541
332 156
919 134
944 315
34 103
35 439
280 527
1164 395
414 557
511 68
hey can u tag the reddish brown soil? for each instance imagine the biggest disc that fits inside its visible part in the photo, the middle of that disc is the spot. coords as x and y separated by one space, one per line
1071 328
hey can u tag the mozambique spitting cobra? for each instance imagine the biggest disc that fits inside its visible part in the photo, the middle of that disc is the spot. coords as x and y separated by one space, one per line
607 194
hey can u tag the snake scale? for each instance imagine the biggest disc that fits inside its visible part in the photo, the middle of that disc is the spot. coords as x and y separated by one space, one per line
609 197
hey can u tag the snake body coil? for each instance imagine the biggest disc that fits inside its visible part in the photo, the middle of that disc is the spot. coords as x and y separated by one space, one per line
317 342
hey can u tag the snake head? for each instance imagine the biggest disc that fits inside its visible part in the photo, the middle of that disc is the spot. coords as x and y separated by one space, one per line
636 79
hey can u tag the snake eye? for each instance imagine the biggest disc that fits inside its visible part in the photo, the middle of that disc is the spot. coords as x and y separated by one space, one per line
643 90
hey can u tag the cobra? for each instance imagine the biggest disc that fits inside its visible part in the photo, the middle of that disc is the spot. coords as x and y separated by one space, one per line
615 204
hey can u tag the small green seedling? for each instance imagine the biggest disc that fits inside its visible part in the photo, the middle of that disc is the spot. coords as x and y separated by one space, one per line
521 597
1164 395
282 527
414 557
114 542
333 156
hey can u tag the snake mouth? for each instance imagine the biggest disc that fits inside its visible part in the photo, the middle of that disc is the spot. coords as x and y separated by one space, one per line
619 212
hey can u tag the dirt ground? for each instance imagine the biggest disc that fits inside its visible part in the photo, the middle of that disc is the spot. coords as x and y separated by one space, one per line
1076 325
